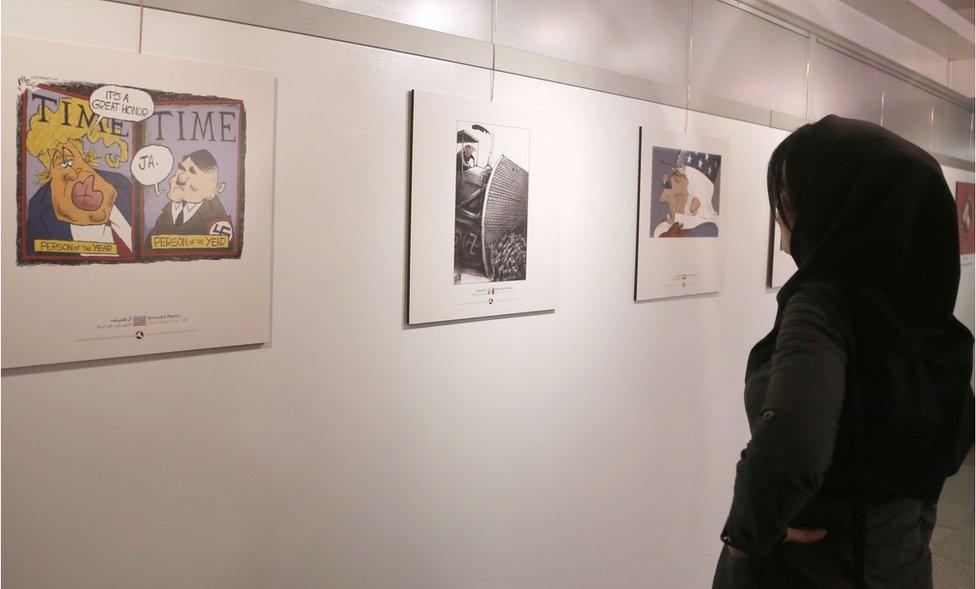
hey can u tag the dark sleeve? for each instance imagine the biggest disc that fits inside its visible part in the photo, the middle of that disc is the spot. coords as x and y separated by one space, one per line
123 192
219 212
792 443
157 225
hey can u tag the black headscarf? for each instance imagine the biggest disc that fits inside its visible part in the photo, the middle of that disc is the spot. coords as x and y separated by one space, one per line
873 217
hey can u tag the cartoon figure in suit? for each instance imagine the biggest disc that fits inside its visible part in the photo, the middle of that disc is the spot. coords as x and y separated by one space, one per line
194 208
77 202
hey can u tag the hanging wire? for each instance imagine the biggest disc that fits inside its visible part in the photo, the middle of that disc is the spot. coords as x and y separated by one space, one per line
491 96
691 45
491 91
142 9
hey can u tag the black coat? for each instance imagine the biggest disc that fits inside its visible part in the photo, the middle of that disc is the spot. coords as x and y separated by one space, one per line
210 212
868 402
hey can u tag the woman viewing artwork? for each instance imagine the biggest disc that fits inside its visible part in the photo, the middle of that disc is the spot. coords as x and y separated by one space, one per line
859 399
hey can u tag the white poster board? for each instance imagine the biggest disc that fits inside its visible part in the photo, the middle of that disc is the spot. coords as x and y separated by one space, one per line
489 171
680 229
125 183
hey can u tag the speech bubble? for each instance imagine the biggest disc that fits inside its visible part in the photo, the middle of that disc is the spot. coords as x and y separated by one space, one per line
119 102
151 165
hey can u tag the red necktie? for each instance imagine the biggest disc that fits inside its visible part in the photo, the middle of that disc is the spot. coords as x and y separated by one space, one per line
124 252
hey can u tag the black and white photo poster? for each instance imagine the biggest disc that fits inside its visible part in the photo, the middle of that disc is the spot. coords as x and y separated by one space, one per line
680 233
482 169
491 203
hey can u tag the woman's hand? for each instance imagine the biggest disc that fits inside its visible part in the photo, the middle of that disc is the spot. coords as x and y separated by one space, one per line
736 553
674 230
804 536
792 535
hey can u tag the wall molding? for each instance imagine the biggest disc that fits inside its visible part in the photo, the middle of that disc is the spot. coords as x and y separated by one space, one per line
855 50
534 65
953 162
917 80
296 16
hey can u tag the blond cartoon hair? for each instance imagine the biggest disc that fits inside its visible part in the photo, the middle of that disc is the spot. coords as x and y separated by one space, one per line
46 131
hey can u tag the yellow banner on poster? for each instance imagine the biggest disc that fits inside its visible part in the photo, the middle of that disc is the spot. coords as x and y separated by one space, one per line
61 246
189 242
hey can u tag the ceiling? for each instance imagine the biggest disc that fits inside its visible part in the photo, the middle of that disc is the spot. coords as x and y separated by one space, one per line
962 7
943 26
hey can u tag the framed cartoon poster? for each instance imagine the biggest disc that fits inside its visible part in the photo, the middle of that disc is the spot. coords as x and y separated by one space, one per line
964 212
126 182
680 233
487 170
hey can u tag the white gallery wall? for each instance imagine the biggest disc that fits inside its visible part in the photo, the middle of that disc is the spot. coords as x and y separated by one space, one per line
589 447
